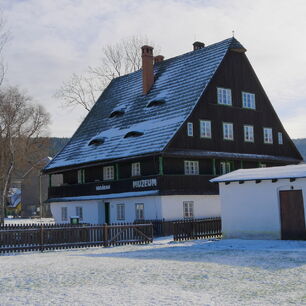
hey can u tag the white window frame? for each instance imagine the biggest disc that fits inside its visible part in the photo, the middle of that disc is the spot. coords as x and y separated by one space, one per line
191 167
268 135
262 165
228 131
224 96
189 129
248 131
64 213
108 173
139 211
205 128
248 100
280 138
135 169
188 209
79 212
121 211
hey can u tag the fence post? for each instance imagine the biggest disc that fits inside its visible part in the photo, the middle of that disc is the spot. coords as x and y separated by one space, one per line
42 238
105 235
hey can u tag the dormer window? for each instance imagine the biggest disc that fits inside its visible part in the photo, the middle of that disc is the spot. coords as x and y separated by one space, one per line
96 141
133 134
156 102
116 113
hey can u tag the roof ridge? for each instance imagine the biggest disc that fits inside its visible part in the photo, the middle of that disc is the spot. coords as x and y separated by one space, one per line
181 55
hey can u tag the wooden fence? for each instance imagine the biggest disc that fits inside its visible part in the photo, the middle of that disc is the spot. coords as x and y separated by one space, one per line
50 237
195 229
166 227
160 227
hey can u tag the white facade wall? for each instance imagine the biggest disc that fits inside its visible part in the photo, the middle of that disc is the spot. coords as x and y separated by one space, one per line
93 211
204 206
155 207
252 211
151 208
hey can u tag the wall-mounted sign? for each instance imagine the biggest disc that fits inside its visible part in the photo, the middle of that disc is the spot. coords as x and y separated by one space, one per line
145 183
103 187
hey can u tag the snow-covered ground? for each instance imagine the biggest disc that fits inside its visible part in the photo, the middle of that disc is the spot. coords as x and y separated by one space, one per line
228 272
28 221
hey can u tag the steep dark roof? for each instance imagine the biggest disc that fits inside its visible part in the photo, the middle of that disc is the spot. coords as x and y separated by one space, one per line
179 81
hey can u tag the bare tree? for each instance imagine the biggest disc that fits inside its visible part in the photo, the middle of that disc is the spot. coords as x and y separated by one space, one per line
118 59
4 36
21 126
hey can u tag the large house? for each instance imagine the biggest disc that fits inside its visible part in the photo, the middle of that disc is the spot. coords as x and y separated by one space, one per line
155 138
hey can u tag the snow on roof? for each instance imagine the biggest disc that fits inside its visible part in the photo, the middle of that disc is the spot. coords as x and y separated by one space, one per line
270 173
181 81
105 196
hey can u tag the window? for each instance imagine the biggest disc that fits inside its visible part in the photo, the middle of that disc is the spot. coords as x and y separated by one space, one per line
191 167
189 129
139 211
188 209
280 138
248 133
108 173
64 214
135 169
120 212
205 129
262 165
248 100
133 134
228 133
225 167
79 212
268 137
224 96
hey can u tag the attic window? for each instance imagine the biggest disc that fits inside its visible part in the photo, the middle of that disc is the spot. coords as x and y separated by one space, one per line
133 134
117 113
96 141
156 102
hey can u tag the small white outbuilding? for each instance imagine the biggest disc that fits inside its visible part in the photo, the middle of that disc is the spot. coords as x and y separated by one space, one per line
264 203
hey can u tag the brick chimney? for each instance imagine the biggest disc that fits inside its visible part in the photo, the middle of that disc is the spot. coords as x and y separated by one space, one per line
147 68
158 58
198 45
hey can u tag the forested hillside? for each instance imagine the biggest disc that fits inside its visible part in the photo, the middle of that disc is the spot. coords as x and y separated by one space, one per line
301 146
56 144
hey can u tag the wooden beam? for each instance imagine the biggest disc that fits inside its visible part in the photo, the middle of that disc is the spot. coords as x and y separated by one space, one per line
161 165
214 166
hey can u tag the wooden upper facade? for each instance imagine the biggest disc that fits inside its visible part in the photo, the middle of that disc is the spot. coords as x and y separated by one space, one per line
232 125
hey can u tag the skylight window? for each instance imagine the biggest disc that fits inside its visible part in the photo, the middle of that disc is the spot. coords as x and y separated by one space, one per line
156 102
96 141
133 134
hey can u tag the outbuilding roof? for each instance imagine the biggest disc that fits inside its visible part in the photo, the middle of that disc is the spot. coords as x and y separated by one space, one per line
179 82
270 173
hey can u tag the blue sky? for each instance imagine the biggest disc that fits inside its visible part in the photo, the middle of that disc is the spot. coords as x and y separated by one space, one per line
51 39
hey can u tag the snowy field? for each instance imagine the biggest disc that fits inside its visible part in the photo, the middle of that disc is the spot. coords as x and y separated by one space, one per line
228 272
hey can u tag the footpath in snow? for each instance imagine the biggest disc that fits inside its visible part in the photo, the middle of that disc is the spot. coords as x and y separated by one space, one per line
226 272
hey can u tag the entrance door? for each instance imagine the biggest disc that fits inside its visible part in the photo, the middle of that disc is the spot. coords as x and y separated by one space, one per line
106 212
292 214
